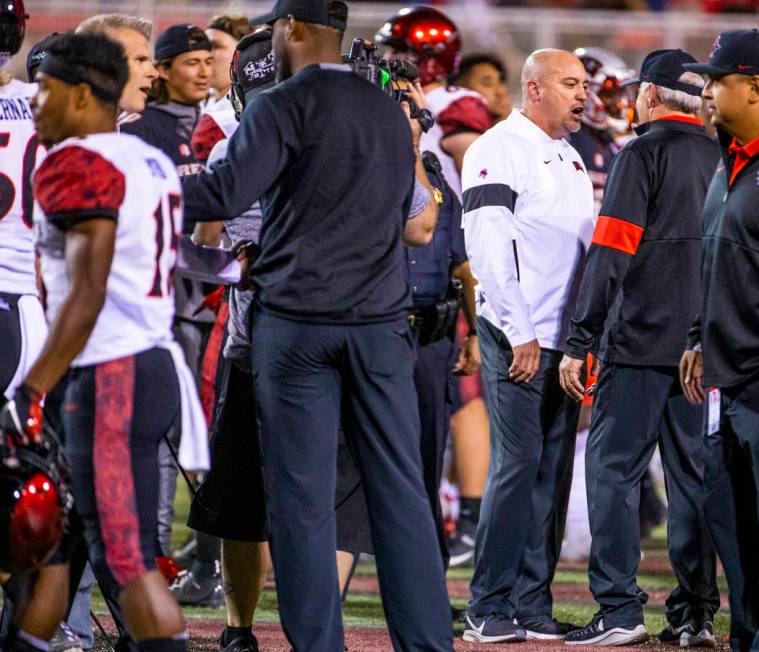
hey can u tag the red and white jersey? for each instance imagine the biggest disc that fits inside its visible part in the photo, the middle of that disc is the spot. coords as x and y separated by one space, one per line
18 152
456 110
217 122
120 177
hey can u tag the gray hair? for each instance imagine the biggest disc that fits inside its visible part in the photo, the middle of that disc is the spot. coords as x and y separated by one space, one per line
680 100
104 22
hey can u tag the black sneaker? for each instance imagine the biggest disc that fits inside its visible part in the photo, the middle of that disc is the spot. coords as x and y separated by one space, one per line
698 635
494 628
670 635
191 592
547 629
245 643
594 633
64 640
461 545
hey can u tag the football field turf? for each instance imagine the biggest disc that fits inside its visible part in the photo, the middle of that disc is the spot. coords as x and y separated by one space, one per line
364 619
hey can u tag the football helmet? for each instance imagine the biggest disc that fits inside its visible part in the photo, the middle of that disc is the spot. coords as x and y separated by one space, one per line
427 37
12 27
35 501
609 107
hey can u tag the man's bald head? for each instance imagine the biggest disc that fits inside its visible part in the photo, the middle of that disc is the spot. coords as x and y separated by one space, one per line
554 91
545 62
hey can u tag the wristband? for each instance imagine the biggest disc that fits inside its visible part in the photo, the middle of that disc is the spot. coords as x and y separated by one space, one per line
472 332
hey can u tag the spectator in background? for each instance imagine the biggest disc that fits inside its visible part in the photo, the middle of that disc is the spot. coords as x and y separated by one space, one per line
224 31
485 73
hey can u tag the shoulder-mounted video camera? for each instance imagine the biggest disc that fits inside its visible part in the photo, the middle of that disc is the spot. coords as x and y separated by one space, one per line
385 74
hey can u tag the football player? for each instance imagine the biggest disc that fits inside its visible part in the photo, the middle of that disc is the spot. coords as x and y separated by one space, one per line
110 208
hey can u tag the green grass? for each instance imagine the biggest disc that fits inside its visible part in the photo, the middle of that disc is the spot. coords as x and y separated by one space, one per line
362 610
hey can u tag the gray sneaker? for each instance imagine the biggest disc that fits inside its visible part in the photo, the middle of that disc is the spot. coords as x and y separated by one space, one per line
698 635
64 640
191 592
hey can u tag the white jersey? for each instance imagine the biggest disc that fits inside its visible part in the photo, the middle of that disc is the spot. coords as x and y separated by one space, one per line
528 222
218 121
456 110
18 152
121 177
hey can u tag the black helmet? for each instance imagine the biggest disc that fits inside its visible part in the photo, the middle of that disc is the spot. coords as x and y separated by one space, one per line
34 502
12 26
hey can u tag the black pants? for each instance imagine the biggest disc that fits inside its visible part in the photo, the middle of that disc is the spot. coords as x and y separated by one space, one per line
731 480
634 409
114 416
524 507
308 379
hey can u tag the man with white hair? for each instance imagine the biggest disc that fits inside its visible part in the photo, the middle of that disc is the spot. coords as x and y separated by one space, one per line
528 220
638 298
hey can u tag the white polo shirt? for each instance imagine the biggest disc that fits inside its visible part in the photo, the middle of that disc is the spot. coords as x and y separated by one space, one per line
528 221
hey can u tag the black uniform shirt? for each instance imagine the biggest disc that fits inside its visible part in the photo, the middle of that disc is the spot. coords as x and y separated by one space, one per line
728 329
640 288
430 266
330 156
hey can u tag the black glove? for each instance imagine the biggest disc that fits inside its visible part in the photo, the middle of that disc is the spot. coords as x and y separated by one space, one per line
21 417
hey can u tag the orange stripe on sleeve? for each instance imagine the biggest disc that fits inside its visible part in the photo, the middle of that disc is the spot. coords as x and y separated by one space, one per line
617 234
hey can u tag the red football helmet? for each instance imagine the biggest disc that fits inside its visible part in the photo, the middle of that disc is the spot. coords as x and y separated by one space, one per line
12 27
34 503
428 37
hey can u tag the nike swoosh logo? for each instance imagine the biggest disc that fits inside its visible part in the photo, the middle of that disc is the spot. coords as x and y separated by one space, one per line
548 161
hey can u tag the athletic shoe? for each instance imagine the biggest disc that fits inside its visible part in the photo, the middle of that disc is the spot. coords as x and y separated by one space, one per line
190 591
185 555
64 640
461 544
670 635
594 633
699 635
494 628
245 643
547 629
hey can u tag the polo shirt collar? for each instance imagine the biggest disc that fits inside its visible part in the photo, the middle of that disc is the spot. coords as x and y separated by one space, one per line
526 128
746 152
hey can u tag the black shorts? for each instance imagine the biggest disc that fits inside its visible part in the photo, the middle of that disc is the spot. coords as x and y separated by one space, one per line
114 416
10 331
230 504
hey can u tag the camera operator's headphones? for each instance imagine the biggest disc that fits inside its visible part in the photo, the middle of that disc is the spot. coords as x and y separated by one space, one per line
251 70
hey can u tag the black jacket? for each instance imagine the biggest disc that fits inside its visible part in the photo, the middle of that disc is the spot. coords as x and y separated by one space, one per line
330 156
728 327
640 288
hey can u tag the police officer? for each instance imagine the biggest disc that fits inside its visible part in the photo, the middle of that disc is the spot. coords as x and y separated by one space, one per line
723 349
634 309
331 158
432 270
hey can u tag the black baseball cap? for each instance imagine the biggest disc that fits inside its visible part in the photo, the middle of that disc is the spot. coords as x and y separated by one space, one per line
179 39
37 54
664 68
734 52
253 63
332 13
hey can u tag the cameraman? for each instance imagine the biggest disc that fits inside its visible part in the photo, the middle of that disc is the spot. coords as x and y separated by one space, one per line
331 158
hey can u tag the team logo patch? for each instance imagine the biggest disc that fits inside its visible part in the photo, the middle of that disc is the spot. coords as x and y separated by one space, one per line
260 68
483 173
715 46
578 166
598 160
184 149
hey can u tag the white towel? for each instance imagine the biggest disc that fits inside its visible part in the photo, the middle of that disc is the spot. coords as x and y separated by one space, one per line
193 446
